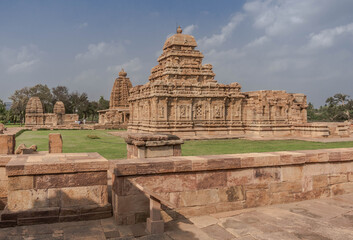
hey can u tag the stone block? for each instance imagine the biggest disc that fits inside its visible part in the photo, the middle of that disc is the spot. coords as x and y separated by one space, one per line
350 177
342 188
291 173
240 177
70 180
287 187
257 198
177 150
335 179
20 183
320 181
55 143
231 194
270 174
131 204
159 151
21 200
79 196
199 198
3 189
208 180
171 183
347 155
7 144
155 226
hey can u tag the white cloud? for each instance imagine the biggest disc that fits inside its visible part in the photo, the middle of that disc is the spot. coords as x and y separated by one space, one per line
83 25
189 29
226 31
24 59
95 51
327 37
23 66
280 16
134 65
258 41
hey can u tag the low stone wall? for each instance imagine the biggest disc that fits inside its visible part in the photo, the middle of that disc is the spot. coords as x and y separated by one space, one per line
44 188
317 129
4 159
201 185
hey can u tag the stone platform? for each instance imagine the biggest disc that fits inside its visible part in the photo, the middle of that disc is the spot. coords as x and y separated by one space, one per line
323 219
46 188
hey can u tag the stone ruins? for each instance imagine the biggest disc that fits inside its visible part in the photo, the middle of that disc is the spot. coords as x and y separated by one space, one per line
183 98
35 116
117 115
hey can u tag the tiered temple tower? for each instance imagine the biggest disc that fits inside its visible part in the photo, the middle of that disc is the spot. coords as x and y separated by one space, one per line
117 115
120 92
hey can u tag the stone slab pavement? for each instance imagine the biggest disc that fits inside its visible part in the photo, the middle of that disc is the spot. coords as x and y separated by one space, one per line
320 219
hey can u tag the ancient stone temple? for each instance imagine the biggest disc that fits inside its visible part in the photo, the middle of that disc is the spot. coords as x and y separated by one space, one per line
34 112
118 113
35 116
183 98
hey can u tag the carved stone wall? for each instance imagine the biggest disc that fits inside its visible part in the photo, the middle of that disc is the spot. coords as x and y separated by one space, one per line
183 98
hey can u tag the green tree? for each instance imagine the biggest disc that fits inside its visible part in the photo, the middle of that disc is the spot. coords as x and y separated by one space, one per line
61 93
3 111
339 107
79 104
102 103
44 94
19 102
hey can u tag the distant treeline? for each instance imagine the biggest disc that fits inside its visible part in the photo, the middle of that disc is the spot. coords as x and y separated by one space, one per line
338 108
75 102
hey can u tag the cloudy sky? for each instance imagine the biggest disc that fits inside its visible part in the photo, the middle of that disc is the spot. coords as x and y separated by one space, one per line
303 46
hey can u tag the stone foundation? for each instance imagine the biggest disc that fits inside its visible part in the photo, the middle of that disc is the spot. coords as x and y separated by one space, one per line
45 188
202 185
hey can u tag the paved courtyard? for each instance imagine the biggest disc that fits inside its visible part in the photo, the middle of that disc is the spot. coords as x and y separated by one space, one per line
320 219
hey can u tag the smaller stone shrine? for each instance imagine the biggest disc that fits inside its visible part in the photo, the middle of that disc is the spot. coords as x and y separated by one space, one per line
35 116
117 116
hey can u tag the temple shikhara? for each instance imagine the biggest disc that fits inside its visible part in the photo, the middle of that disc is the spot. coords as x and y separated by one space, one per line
182 97
35 116
118 113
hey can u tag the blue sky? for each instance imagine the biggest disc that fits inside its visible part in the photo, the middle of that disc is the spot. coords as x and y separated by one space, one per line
301 46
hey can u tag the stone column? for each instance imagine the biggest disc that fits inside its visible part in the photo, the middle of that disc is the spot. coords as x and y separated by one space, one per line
155 223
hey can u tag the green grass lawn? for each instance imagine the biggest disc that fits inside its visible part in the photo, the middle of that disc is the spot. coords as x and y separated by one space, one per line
213 147
77 141
113 147
11 125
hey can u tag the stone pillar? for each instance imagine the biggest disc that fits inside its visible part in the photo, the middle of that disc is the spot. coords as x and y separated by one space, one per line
155 223
150 145
55 143
7 144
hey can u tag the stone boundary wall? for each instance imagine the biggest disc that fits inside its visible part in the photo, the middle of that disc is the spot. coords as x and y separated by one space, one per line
200 185
4 159
46 188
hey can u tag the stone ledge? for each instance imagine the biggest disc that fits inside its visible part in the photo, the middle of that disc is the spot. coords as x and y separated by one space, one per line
56 163
229 161
54 214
